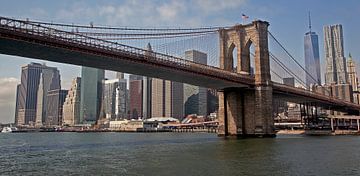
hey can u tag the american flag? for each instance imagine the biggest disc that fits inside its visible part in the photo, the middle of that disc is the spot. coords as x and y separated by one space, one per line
243 16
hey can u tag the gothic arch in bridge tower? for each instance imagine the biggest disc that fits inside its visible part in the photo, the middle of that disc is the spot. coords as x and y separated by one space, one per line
246 112
242 37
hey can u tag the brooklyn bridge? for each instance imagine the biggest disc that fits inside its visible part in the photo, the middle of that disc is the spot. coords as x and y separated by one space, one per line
242 68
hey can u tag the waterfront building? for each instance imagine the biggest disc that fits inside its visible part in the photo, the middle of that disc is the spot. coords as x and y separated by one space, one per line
55 102
36 80
353 79
334 54
91 94
177 100
212 101
136 98
312 58
115 98
160 98
71 107
147 90
49 80
195 97
146 97
17 103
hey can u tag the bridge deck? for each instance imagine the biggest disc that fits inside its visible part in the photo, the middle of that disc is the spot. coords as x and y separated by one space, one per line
24 39
29 40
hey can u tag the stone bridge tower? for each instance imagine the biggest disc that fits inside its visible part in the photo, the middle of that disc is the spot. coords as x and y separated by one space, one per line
246 112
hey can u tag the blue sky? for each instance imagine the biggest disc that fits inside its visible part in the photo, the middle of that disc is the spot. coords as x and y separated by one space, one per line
288 22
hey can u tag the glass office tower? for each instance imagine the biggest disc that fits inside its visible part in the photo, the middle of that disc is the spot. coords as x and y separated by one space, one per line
91 94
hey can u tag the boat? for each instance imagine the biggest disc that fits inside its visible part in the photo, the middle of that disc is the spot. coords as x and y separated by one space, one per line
9 129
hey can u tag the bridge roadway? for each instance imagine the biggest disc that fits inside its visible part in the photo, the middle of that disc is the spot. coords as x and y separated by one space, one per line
20 38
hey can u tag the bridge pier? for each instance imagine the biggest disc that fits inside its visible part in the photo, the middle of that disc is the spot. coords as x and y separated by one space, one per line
246 113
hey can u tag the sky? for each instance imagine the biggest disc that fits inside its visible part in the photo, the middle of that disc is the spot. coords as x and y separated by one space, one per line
288 22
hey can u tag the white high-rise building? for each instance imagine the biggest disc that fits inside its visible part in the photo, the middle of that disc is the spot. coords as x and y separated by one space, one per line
115 98
71 107
49 80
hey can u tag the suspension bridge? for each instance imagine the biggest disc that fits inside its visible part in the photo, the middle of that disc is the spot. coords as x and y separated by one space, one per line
246 63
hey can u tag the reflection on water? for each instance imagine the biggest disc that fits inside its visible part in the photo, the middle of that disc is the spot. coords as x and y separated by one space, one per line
175 154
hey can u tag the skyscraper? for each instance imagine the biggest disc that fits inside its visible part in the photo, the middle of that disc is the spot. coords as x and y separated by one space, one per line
195 97
115 98
49 80
160 98
334 54
36 81
71 107
54 107
353 79
147 91
177 100
312 58
154 97
146 97
91 94
136 98
17 103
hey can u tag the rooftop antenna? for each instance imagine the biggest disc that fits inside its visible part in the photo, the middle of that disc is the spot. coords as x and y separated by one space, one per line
309 22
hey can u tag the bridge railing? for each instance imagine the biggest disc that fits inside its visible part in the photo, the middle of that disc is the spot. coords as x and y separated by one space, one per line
35 29
315 95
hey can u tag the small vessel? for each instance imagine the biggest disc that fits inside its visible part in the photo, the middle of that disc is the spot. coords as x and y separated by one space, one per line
9 129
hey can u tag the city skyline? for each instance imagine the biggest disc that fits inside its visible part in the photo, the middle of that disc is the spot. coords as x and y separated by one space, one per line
189 87
9 75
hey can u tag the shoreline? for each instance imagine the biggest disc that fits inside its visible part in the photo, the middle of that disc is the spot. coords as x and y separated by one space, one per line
319 132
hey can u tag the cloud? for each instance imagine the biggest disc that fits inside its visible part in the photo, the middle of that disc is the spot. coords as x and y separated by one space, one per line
38 12
171 11
147 13
142 13
211 6
76 11
7 99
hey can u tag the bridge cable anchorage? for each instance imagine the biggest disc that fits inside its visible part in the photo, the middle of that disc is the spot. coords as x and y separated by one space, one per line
292 57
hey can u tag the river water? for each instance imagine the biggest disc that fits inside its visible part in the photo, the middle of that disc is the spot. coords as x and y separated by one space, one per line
175 154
